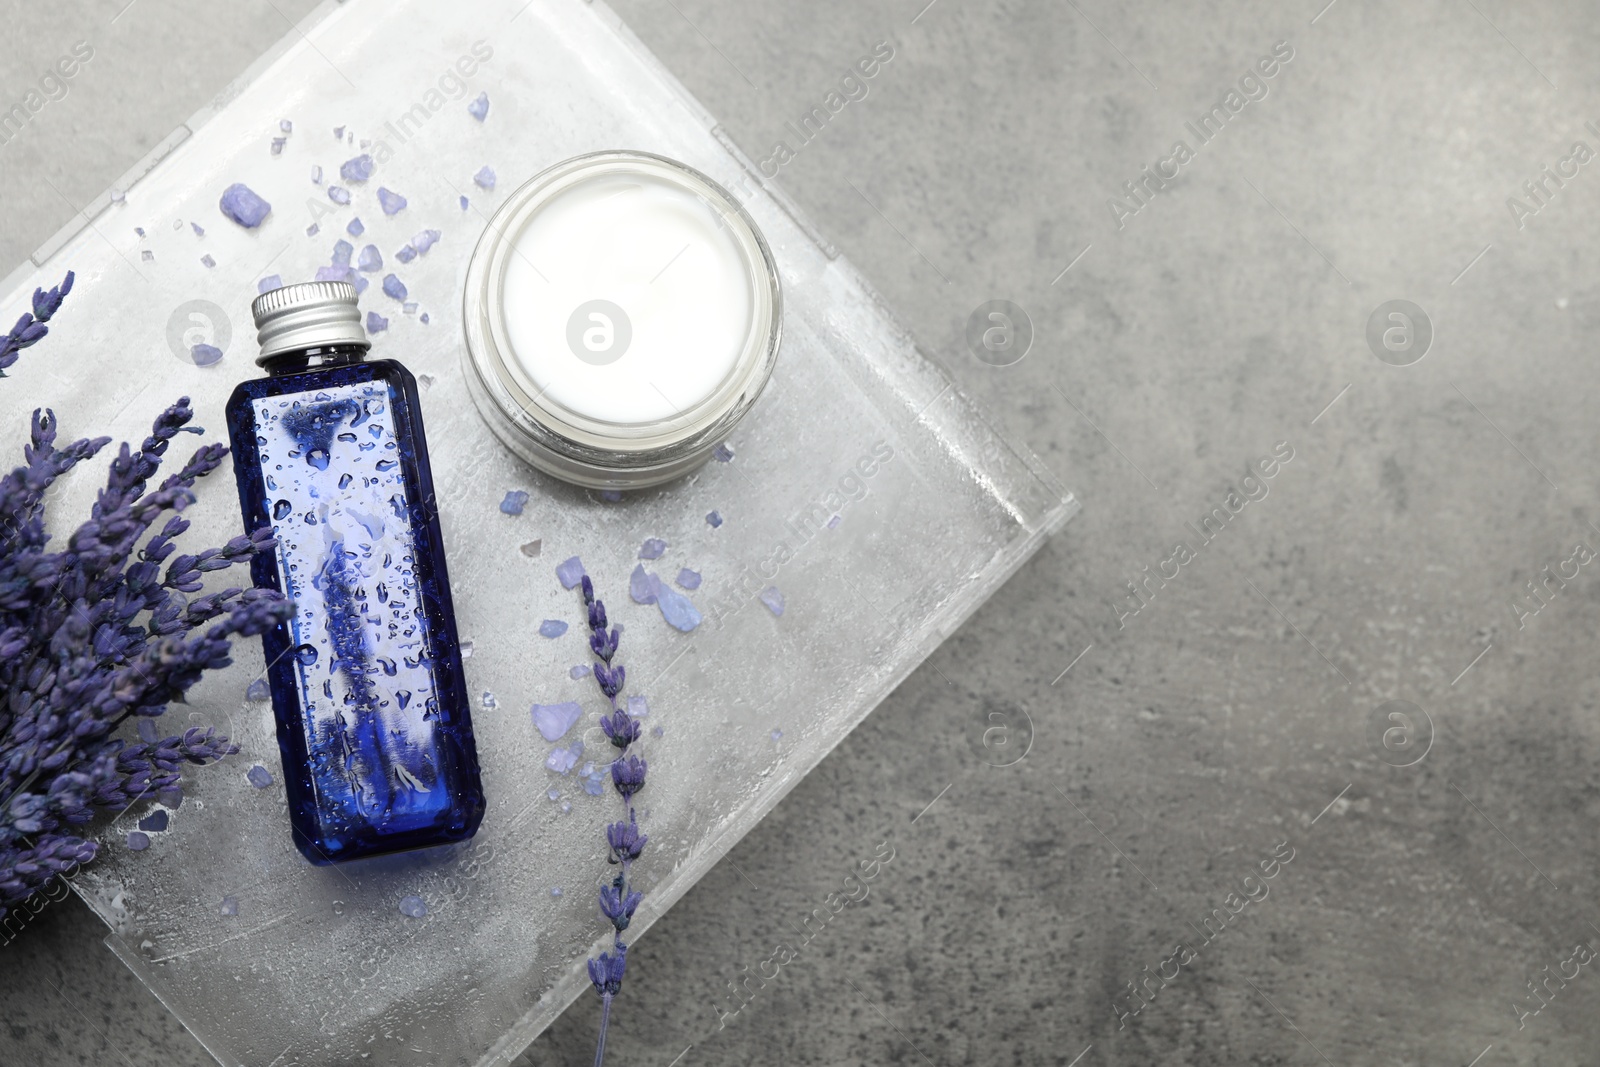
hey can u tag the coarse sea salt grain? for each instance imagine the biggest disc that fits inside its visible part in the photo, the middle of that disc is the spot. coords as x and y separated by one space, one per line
339 194
155 822
652 548
640 585
149 733
204 355
638 707
464 203
391 202
258 690
722 453
355 227
370 259
229 907
268 284
772 599
207 260
358 169
689 579
714 518
413 906
147 255
137 842
342 251
277 145
259 776
582 670
241 204
316 174
680 613
490 701
570 571
484 179
515 501
394 287
376 323
562 760
335 273
409 307
424 240
552 628
199 231
554 720
531 549
479 108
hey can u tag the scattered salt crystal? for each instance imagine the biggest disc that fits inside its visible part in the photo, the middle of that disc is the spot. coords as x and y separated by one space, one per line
413 907
199 231
316 174
258 690
490 701
570 571
561 760
566 806
358 169
464 203
155 822
259 776
207 260
277 145
714 518
118 196
552 628
657 731
371 259
335 273
376 323
516 499
424 319
355 228
532 548
172 798
342 251
311 231
390 202
722 453
554 720
638 707
137 842
553 793
772 599
148 733
426 380
338 133
641 586
229 907
395 288
652 548
361 284
689 579
269 283
485 177
139 230
555 891
204 355
582 670
777 735
479 108
409 307
424 240
466 650
285 125
676 608
835 520
147 255
593 786
406 254
611 496
338 194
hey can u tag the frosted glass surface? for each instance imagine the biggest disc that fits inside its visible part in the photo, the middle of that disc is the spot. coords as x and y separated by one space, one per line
868 490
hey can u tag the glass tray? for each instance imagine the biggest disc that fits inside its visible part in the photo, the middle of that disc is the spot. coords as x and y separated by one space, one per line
869 491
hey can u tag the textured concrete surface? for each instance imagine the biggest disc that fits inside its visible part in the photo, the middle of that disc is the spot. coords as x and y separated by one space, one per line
1226 716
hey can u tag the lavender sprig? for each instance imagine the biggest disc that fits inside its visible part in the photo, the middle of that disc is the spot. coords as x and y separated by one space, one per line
618 900
97 633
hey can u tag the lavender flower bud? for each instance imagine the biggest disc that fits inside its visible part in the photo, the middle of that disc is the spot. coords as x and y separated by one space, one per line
610 679
606 972
621 728
617 906
588 590
625 840
597 616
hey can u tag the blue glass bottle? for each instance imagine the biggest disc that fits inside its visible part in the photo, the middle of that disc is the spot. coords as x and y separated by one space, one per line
366 680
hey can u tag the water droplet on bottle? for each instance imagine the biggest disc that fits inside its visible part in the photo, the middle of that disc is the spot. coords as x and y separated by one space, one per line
383 464
347 436
344 481
403 697
281 509
318 458
307 654
388 666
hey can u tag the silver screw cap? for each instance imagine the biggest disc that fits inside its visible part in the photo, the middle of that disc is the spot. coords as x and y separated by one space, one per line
307 315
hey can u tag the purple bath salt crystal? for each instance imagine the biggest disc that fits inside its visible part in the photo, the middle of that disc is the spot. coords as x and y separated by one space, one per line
199 231
338 133
406 254
269 283
424 318
137 842
376 323
552 628
554 720
479 108
516 499
610 496
118 196
777 735
342 251
652 548
316 174
390 202
555 891
594 786
335 273
689 579
490 701
355 228
772 599
642 585
680 614
155 822
464 203
722 453
638 707
714 518
835 520
258 690
229 907
277 145
562 760
370 260
413 906
208 261
259 776
147 256
658 731
358 169
425 240
172 798
149 733
285 125
394 287
339 194
485 177
360 284
204 355
410 306
139 230
580 671
311 231
570 571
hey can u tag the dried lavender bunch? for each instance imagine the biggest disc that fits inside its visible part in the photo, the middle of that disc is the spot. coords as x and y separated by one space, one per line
31 327
618 901
96 634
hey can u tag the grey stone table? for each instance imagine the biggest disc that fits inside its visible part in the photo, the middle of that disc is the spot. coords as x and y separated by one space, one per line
1288 769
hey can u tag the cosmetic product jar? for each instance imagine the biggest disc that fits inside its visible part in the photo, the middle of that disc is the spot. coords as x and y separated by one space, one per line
622 314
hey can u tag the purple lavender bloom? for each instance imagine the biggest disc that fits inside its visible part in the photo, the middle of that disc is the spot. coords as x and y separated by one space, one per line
479 108
627 774
358 169
607 971
241 204
391 202
617 906
626 842
620 727
394 288
610 679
